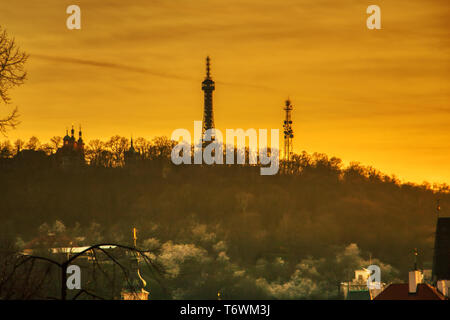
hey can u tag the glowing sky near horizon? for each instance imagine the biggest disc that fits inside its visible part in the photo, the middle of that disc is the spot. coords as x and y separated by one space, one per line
380 97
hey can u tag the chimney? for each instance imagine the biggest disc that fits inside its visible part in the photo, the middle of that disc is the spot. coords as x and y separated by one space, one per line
415 277
443 287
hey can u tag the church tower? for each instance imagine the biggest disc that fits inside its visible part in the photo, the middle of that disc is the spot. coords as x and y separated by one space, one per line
131 156
72 136
80 142
208 87
71 154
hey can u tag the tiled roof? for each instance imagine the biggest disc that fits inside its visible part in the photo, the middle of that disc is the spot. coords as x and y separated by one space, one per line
400 291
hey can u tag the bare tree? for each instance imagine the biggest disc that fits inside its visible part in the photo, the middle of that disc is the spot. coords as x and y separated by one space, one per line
118 145
19 145
161 148
33 143
56 141
12 74
47 148
6 149
97 155
16 282
143 146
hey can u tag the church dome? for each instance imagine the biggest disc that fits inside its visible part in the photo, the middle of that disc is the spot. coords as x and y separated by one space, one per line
66 137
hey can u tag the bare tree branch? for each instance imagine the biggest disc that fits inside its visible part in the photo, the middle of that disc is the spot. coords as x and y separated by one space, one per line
12 74
62 266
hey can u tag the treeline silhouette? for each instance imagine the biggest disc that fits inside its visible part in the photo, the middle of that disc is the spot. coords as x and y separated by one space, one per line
97 153
313 209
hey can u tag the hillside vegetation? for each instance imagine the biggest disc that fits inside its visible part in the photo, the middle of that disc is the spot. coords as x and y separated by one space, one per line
292 235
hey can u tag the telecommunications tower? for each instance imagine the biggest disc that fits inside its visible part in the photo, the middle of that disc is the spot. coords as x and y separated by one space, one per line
288 132
208 87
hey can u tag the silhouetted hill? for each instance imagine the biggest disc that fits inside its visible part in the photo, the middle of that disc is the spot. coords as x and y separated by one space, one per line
316 210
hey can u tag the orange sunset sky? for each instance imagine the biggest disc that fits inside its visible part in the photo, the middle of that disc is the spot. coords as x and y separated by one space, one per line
380 97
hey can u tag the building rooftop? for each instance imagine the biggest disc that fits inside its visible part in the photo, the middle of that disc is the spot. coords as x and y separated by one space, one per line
400 291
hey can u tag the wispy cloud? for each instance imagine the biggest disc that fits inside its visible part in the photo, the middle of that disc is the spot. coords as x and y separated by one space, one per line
110 65
128 68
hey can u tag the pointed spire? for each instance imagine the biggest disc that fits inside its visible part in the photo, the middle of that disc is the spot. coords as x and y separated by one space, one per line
131 151
80 139
208 68
66 137
134 284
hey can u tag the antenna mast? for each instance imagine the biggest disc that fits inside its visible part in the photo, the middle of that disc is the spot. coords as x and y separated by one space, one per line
288 132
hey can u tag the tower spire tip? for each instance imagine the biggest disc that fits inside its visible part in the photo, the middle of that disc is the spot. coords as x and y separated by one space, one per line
208 67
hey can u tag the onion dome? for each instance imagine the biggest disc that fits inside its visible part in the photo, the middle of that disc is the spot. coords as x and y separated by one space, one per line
66 137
